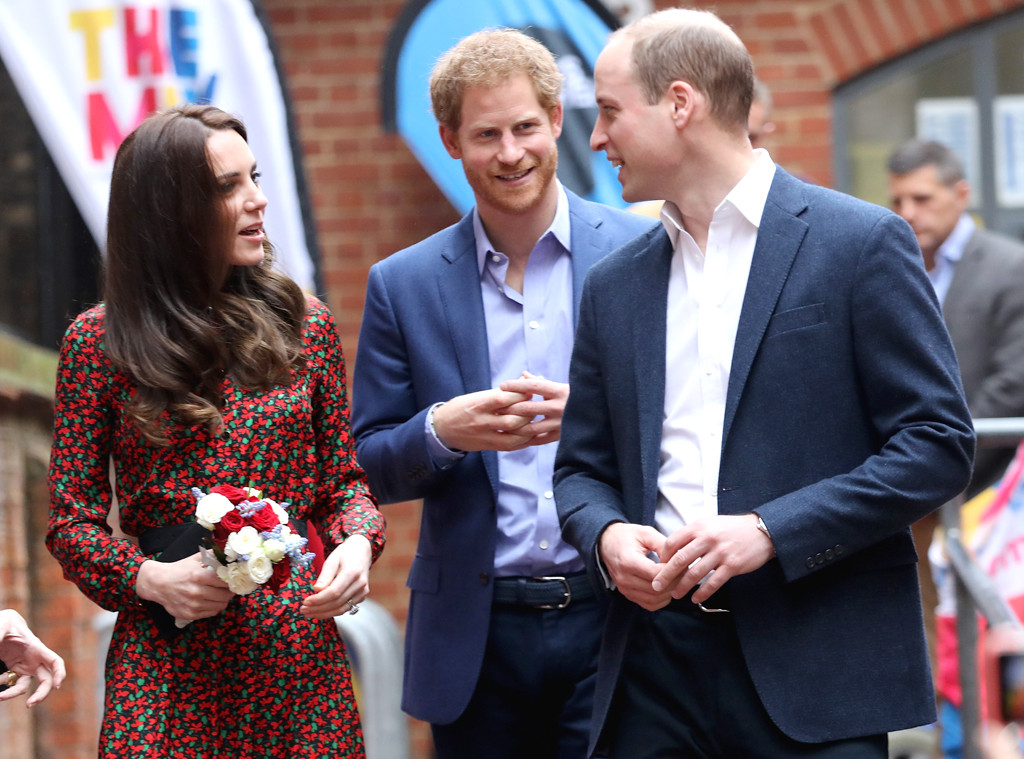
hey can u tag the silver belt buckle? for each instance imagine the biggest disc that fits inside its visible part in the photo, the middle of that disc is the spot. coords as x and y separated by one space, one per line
706 610
568 593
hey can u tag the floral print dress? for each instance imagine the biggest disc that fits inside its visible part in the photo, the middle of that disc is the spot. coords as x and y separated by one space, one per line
259 679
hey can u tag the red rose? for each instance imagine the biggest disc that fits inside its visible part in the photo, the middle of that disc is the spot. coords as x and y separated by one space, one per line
282 572
233 494
265 519
232 521
220 534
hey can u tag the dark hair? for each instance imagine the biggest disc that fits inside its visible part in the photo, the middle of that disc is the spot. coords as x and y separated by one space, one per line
917 153
178 314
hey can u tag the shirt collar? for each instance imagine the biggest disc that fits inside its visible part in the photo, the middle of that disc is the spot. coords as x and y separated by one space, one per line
952 248
747 197
560 228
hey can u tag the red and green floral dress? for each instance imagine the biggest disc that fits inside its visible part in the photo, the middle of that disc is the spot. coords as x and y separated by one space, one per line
259 679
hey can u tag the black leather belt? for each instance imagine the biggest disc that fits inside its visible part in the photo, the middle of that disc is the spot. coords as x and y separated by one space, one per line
542 592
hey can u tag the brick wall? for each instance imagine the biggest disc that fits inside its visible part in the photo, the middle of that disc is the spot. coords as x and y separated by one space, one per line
372 198
65 725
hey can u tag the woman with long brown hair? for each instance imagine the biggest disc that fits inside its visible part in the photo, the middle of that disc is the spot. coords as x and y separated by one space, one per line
205 370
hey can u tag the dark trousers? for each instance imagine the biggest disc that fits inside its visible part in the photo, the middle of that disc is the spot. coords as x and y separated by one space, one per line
536 689
685 693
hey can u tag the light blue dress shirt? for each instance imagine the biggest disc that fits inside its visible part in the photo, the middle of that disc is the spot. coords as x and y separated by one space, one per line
948 256
529 331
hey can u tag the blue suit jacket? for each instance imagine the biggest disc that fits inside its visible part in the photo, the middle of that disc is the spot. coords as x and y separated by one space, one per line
424 340
844 423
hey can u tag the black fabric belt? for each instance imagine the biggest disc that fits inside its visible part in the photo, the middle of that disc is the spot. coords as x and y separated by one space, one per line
542 592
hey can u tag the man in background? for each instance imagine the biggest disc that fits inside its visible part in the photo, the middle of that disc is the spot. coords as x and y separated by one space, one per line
459 386
978 278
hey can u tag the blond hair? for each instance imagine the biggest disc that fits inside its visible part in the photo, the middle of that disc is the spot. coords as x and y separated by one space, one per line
488 58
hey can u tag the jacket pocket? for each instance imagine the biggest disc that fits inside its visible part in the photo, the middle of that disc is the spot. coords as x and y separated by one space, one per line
424 575
796 318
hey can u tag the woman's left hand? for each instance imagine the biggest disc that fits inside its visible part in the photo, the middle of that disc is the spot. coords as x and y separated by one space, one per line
343 582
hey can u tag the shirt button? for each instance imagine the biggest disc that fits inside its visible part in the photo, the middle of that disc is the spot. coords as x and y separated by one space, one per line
544 545
496 258
534 324
549 494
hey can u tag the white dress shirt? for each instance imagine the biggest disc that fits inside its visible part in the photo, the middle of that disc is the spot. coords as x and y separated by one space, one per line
705 296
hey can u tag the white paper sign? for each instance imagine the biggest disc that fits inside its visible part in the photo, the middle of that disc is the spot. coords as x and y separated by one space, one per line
954 123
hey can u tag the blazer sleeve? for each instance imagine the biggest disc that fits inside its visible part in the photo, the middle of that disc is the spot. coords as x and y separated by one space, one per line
914 409
388 420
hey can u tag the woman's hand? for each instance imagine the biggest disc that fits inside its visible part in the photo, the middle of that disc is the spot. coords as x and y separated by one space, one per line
26 655
187 589
343 582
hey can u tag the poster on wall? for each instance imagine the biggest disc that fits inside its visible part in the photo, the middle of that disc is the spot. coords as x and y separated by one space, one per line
574 30
954 122
89 71
1009 154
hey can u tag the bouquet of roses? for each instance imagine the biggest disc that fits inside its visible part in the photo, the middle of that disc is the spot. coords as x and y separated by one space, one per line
250 539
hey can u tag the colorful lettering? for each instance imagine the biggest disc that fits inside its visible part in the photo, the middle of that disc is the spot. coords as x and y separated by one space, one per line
156 42
184 43
204 96
104 131
91 23
137 45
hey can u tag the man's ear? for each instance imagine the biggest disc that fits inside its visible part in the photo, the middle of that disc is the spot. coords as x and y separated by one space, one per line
450 140
556 114
963 193
683 99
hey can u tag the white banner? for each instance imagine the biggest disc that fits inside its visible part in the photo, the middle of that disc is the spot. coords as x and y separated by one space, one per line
90 70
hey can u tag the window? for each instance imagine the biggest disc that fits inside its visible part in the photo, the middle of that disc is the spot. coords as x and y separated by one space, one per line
49 263
966 90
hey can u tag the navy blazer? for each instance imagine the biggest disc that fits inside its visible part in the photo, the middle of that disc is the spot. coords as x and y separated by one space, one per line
844 423
424 340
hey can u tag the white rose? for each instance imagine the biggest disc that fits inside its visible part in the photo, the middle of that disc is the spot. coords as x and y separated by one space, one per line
211 508
238 579
253 493
260 568
274 549
245 541
282 515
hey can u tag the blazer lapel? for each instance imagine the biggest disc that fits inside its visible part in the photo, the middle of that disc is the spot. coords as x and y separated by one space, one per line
587 248
778 239
960 294
648 306
458 287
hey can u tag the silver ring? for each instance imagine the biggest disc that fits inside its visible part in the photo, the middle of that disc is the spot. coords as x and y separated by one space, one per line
695 562
352 608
